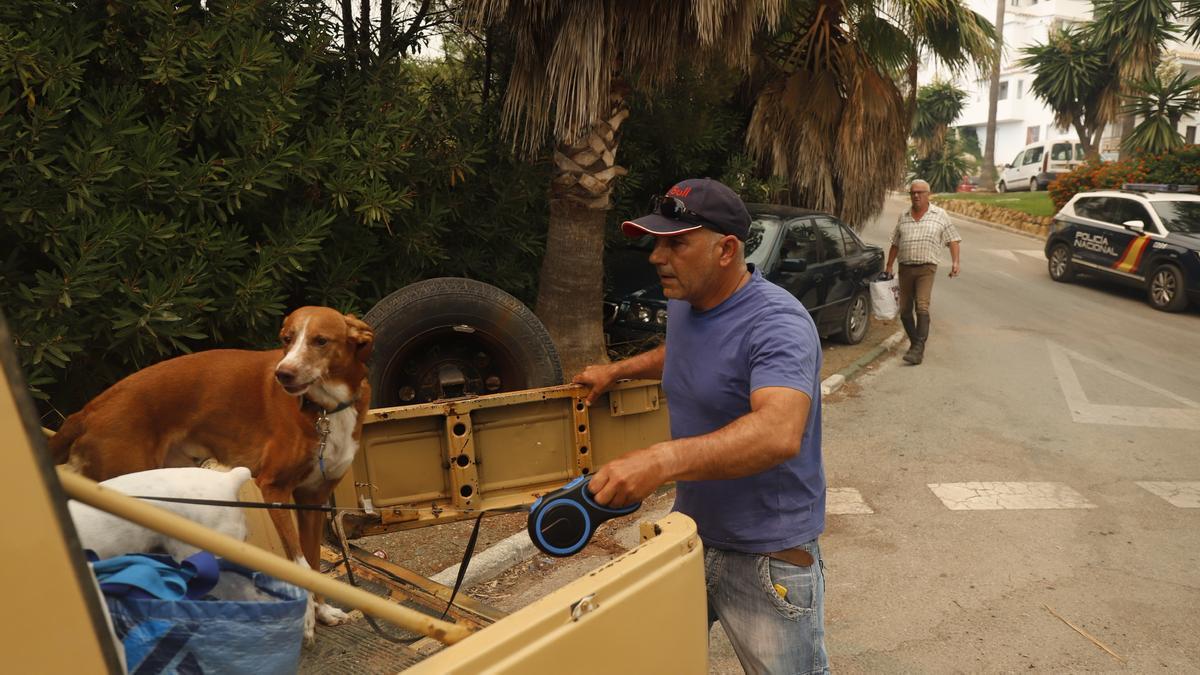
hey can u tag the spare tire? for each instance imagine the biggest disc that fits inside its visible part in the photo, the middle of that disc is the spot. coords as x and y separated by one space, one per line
451 337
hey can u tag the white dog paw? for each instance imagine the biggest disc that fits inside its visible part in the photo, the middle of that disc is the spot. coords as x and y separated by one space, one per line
310 622
329 615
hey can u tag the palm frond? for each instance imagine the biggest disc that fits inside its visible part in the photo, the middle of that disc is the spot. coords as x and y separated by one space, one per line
1135 32
1189 12
886 44
1072 75
569 51
1160 105
838 134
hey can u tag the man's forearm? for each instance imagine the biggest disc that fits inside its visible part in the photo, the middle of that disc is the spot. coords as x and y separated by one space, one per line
954 252
750 444
644 366
892 253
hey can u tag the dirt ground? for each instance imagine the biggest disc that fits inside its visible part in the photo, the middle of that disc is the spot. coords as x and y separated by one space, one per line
433 549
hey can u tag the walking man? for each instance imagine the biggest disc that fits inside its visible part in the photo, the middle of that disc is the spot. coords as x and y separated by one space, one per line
741 367
917 242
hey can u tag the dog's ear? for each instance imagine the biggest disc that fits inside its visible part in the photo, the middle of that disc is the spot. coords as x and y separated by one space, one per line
361 335
283 328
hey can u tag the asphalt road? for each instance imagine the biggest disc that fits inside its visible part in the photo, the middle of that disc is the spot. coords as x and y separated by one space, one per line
1022 472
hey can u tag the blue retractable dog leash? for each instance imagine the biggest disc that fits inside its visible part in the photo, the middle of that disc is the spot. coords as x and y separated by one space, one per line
562 522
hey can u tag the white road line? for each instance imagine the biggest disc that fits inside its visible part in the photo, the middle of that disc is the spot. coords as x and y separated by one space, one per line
845 501
1008 495
1011 254
1084 411
1184 494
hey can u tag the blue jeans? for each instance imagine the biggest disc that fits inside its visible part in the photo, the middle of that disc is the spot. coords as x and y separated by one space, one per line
770 632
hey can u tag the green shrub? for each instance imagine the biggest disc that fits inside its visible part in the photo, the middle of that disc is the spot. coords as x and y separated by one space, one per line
173 178
1180 166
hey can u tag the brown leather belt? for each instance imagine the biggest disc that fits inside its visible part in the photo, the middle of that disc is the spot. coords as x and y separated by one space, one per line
796 556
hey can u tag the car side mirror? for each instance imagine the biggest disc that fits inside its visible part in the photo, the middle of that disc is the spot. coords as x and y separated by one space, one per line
1008 166
793 265
1135 225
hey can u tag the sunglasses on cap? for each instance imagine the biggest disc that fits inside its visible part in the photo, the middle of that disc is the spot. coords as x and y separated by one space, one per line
674 208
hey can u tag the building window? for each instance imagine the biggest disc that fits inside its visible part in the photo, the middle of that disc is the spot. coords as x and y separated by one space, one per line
1191 135
1015 3
1032 135
1003 94
1020 88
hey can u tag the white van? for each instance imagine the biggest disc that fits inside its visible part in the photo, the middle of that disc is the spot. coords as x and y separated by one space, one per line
1034 167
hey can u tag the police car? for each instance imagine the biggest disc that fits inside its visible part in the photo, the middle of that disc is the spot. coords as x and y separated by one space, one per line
1146 235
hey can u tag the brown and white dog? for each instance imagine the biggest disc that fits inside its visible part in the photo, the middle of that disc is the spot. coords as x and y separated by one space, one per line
242 408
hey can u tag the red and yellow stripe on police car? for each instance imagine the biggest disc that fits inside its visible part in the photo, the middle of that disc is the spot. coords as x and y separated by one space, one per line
1132 257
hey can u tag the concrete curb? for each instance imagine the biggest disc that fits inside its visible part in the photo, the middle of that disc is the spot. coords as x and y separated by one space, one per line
995 226
835 381
492 562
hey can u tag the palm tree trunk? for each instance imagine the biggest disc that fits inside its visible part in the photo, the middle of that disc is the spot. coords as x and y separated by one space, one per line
1127 123
1085 139
571 282
364 33
988 173
349 39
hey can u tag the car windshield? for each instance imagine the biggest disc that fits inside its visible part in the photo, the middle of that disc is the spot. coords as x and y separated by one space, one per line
1179 216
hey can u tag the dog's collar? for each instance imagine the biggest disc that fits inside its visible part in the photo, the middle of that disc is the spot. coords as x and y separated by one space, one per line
307 403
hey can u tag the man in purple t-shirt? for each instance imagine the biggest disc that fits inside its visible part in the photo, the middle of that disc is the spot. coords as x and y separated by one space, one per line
741 371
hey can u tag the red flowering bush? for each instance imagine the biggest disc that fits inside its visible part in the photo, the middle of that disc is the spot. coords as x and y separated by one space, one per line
1180 166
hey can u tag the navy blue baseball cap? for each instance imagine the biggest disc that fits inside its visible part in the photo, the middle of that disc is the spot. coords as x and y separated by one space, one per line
691 205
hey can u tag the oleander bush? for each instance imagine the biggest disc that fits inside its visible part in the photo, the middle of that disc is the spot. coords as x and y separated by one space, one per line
1180 166
176 178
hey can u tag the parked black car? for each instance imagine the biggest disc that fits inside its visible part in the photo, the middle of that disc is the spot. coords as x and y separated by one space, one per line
812 254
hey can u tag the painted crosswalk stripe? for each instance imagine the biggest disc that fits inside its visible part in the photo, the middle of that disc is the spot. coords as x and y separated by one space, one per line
845 501
1184 494
1008 495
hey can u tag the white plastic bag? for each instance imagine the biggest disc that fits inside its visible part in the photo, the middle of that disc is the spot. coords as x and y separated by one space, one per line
885 298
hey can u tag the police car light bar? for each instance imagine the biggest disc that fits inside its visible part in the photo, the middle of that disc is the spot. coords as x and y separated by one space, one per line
1159 187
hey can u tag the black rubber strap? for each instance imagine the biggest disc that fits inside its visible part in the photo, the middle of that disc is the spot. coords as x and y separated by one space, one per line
462 568
245 505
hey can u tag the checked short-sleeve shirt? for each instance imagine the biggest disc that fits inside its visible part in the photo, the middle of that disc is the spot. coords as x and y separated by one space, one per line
921 241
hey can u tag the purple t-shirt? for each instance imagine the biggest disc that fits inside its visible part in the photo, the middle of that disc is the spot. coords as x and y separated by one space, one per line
761 336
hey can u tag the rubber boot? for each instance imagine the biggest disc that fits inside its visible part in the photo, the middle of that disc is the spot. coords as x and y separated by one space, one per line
916 352
910 326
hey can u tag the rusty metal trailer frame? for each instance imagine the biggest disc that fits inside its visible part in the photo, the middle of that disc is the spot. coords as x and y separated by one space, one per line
444 461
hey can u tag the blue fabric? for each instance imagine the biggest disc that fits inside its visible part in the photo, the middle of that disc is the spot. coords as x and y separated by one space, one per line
147 575
206 573
761 336
259 637
156 576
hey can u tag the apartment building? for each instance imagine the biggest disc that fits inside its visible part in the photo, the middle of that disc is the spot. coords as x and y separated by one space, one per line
1021 118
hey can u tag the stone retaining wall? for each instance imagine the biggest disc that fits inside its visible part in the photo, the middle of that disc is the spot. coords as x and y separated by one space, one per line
1037 225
